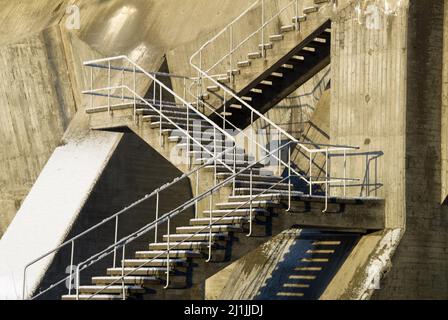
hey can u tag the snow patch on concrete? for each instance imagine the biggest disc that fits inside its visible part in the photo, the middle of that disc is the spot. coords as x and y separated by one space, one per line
50 209
379 263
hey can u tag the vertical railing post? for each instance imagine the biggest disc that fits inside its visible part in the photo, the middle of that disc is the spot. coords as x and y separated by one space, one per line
168 245
122 82
250 201
311 172
210 228
161 110
231 53
123 257
289 178
115 240
234 169
215 153
296 7
196 212
108 87
135 92
156 227
327 177
263 51
154 89
71 268
345 173
77 282
91 87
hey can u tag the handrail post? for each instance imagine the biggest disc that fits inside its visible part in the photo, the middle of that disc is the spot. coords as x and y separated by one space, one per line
289 178
134 88
215 154
71 268
234 169
326 181
231 53
196 212
77 282
168 245
108 87
160 115
91 87
157 217
263 51
154 87
297 14
345 172
210 228
310 171
250 203
122 271
115 240
122 82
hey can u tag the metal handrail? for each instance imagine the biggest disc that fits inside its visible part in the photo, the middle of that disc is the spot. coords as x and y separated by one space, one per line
168 216
161 84
147 227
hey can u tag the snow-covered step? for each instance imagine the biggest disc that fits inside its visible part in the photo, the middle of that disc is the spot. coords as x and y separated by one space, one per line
246 204
110 289
163 253
221 221
243 64
187 245
197 237
237 213
215 228
287 28
254 55
154 262
137 271
93 298
276 37
128 280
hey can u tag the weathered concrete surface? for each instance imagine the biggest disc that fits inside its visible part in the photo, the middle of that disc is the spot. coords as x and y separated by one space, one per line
52 206
42 73
420 264
360 275
368 99
37 105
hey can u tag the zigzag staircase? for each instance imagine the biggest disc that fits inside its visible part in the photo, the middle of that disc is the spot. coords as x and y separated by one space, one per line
254 190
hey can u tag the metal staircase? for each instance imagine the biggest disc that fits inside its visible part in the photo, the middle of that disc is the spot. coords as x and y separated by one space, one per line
257 179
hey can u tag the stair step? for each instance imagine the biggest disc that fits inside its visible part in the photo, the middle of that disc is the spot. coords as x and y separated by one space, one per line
310 10
110 289
245 204
265 196
233 72
137 271
287 28
299 19
197 237
170 114
168 125
175 119
276 37
163 254
262 184
196 245
224 80
254 55
243 64
255 177
321 1
232 213
213 89
203 229
221 221
205 96
235 106
154 262
259 170
266 46
246 191
90 297
135 280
